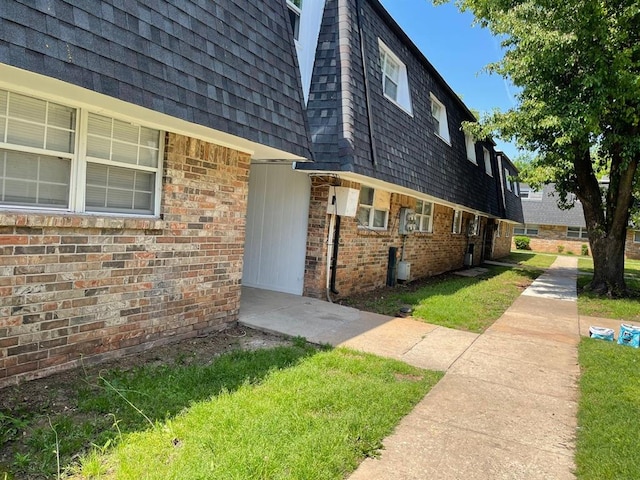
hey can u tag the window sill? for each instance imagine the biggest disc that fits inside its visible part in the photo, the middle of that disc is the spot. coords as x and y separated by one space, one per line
50 219
399 105
448 142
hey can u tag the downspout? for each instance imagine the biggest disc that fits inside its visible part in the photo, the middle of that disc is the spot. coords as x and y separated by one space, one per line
334 259
367 99
330 236
333 242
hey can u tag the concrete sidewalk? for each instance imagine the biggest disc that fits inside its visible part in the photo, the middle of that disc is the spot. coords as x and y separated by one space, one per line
506 409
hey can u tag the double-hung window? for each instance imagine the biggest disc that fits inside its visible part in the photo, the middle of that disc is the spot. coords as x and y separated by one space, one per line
457 222
424 216
37 147
577 232
57 157
487 162
395 82
439 116
295 11
373 209
636 236
474 226
508 180
470 145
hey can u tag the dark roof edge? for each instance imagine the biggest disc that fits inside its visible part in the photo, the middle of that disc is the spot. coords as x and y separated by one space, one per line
401 33
506 157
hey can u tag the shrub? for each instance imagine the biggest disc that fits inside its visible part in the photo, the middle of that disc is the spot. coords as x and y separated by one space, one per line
522 243
584 250
560 248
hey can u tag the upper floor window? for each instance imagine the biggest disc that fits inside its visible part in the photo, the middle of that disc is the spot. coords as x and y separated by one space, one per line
57 157
508 180
470 145
295 11
457 222
487 161
577 232
395 83
373 209
440 123
424 216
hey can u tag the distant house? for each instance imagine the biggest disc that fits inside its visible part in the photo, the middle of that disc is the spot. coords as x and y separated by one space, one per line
554 230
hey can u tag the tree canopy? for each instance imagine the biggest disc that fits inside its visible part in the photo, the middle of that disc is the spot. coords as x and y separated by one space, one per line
577 66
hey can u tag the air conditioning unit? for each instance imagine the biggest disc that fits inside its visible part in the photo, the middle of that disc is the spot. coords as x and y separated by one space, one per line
343 201
407 221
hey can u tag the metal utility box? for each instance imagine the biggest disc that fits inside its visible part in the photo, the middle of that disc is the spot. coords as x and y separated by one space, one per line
343 201
407 221
404 271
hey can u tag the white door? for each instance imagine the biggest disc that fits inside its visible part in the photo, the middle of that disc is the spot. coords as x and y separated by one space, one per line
276 236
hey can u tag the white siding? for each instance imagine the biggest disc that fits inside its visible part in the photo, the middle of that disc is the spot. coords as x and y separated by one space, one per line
276 236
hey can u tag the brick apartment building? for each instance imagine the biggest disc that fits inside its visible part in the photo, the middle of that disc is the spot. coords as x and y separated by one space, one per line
155 159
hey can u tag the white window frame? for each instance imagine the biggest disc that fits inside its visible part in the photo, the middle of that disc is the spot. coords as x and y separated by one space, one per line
499 229
80 160
402 98
474 226
424 222
456 226
295 7
508 227
372 209
581 233
508 180
470 145
439 115
486 154
528 230
529 193
636 236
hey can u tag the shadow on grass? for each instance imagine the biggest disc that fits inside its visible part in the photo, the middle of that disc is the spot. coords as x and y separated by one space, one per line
517 257
106 406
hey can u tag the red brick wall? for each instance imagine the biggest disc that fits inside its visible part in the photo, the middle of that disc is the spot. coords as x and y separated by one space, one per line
363 254
550 237
76 286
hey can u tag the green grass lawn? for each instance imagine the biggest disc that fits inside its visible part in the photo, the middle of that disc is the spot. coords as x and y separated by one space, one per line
619 308
608 413
317 419
463 303
529 259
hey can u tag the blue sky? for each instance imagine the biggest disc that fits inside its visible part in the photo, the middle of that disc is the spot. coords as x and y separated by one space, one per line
459 51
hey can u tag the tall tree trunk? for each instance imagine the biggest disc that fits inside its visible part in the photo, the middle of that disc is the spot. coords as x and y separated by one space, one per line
606 221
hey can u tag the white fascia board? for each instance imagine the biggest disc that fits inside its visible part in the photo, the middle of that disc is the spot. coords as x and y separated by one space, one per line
393 188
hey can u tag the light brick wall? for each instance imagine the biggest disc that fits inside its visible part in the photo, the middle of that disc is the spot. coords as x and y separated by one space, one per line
75 286
363 254
550 237
632 249
502 244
